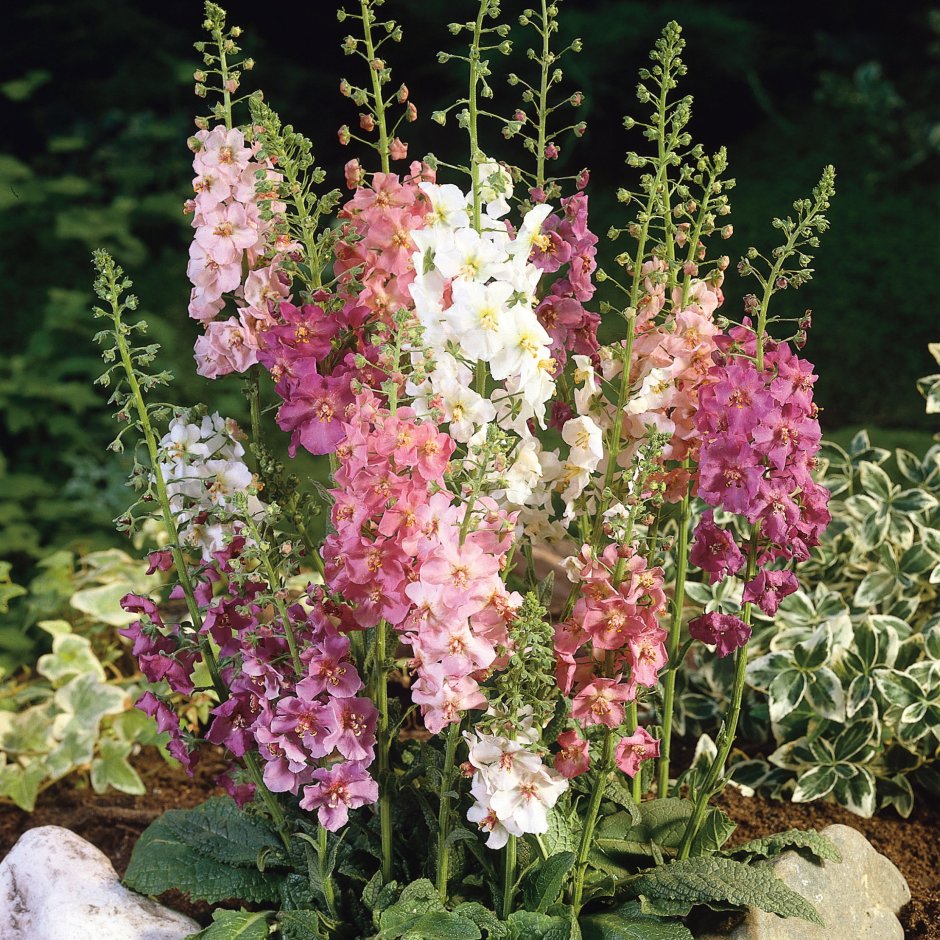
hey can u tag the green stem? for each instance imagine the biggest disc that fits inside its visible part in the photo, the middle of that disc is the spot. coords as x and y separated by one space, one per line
323 851
377 97
675 637
730 725
509 876
543 100
380 697
443 813
590 820
474 112
275 582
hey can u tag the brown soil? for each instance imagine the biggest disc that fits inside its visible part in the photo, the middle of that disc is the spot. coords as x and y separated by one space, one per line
113 821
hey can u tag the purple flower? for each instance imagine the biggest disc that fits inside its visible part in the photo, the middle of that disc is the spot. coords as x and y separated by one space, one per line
723 631
729 475
715 550
769 588
329 670
339 789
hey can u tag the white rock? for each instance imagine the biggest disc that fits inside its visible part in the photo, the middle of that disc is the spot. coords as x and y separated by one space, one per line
56 886
857 898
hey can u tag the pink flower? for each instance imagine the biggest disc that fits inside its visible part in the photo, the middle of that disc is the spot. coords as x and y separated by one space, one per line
444 698
724 631
330 671
353 721
339 789
601 703
225 347
398 150
228 232
574 757
633 750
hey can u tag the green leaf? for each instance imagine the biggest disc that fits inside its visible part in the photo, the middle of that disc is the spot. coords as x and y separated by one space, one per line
714 880
815 651
530 925
235 925
542 885
112 769
807 841
219 829
824 693
21 784
875 587
299 925
419 914
786 692
71 655
874 480
814 784
857 794
182 849
8 590
630 923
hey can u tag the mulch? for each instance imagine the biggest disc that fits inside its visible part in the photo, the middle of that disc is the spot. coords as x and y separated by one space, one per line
113 821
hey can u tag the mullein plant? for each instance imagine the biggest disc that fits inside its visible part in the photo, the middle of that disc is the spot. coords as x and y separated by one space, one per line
418 742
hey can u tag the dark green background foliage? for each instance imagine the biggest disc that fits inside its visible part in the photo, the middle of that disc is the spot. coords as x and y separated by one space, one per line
98 105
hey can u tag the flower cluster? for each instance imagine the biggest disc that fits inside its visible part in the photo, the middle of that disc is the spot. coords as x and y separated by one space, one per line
486 356
317 351
614 626
204 469
401 554
230 238
512 788
759 438
566 240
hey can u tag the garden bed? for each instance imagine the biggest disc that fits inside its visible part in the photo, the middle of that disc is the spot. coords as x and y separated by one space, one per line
113 821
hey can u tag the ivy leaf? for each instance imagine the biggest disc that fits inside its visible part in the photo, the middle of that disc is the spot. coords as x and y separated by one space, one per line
235 925
112 769
857 794
800 840
721 881
824 693
629 922
542 885
786 692
814 784
183 849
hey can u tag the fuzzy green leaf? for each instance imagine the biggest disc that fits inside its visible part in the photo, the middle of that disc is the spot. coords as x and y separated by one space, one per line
541 886
722 881
235 925
629 922
529 925
183 849
807 841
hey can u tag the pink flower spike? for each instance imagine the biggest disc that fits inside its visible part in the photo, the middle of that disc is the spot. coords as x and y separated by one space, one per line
600 703
633 750
353 734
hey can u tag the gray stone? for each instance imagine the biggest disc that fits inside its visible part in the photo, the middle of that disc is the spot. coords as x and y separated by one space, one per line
56 886
857 897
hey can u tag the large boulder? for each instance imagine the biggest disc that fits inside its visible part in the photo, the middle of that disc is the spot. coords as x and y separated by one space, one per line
56 886
857 898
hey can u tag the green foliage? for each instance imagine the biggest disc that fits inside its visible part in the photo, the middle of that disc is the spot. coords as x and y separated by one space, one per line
630 922
717 882
76 714
210 853
236 925
800 840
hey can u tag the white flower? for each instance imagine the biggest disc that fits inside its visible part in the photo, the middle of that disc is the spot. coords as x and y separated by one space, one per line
586 441
470 256
654 392
523 345
478 316
495 188
531 226
524 474
448 206
526 804
586 379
